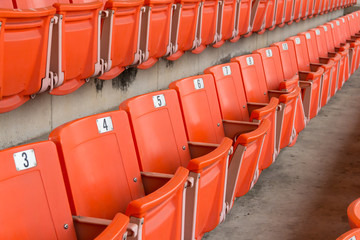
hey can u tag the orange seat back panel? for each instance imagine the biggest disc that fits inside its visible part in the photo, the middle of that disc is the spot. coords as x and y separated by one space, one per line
253 78
302 56
288 58
230 90
244 19
209 20
100 149
159 131
33 201
260 15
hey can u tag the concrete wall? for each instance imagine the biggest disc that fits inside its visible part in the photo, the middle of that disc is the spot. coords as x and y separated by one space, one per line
34 120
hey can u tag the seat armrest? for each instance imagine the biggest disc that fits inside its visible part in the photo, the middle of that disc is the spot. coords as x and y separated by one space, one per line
152 181
198 149
307 75
91 220
118 227
246 138
260 112
234 128
197 165
285 97
304 84
140 207
289 84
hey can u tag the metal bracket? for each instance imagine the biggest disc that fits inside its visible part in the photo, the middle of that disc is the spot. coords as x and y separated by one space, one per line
106 40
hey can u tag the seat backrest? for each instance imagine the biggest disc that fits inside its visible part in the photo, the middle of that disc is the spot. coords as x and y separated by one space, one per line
244 16
311 46
352 23
336 32
230 90
7 4
301 52
26 4
159 131
200 108
271 62
288 58
320 39
329 36
100 149
33 201
253 77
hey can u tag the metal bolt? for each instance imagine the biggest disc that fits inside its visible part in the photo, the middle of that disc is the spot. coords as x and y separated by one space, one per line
0 24
183 147
66 226
135 179
264 93
218 124
244 106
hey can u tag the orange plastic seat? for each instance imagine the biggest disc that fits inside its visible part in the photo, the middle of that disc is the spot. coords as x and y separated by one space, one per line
118 52
7 4
23 69
204 123
242 20
270 15
111 181
350 235
326 64
162 145
209 31
282 88
33 199
324 55
75 46
234 106
289 11
258 19
353 213
256 88
307 71
304 9
280 13
297 10
333 51
185 34
155 36
227 13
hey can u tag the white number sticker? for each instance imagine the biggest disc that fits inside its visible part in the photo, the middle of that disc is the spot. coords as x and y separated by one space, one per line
199 83
307 35
343 20
268 53
325 28
352 238
104 124
226 70
332 25
357 14
337 23
159 100
297 40
250 61
317 32
25 160
285 46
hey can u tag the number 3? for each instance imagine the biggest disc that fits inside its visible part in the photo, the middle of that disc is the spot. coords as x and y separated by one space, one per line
24 155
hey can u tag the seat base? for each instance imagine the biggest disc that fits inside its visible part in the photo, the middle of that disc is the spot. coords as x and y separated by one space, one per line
113 73
199 49
148 64
10 103
68 87
218 44
175 56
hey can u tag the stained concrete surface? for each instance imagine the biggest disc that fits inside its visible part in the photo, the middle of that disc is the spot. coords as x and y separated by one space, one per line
305 193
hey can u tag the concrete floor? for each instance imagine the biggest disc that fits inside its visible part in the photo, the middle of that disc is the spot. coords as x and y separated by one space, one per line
305 193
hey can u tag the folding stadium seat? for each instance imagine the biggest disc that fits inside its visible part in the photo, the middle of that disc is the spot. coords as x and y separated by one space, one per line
100 149
204 123
350 37
256 89
184 30
353 213
208 28
122 18
335 52
317 7
226 18
24 42
325 56
289 11
336 45
270 15
350 235
234 106
155 31
33 201
75 44
162 144
293 65
280 13
242 20
259 9
304 9
297 10
288 92
314 58
354 33
311 8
